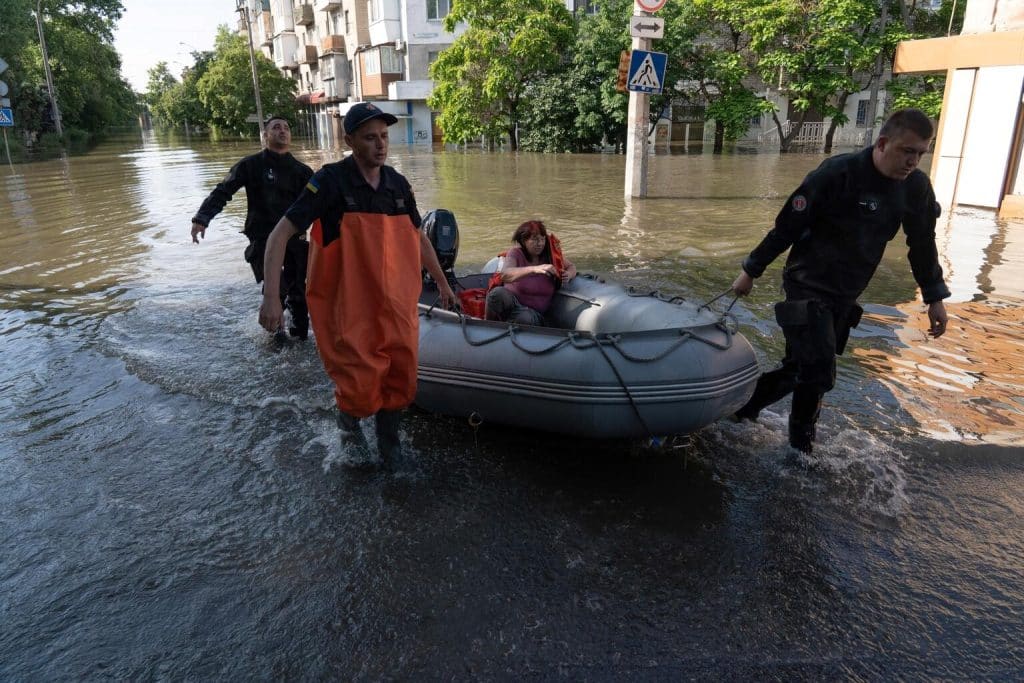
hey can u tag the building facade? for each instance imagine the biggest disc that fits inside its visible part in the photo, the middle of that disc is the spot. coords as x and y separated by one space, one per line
980 145
340 52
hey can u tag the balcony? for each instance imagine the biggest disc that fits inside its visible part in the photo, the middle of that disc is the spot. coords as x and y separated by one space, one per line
332 45
303 15
410 90
285 47
327 5
265 29
336 90
306 55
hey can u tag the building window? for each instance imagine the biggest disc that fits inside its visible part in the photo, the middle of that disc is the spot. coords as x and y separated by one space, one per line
862 113
592 7
432 56
382 60
438 9
348 25
390 62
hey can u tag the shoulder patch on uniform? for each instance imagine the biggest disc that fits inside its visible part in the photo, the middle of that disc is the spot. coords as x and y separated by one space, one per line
799 203
312 186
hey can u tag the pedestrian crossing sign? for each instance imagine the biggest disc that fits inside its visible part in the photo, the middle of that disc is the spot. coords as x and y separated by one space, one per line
6 117
647 71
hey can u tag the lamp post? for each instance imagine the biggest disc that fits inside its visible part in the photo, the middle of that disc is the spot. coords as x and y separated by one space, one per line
243 8
46 69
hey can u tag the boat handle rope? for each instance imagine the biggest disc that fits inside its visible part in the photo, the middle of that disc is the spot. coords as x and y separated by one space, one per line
625 388
684 336
707 304
676 299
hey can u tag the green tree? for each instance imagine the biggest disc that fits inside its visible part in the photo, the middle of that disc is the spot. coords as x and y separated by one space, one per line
91 93
718 67
807 47
86 68
161 80
915 90
177 103
482 78
226 90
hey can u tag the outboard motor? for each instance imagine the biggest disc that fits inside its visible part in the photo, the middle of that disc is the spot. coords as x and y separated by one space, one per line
443 233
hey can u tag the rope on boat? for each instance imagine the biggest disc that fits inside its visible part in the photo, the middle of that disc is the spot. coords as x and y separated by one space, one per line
578 341
707 304
629 394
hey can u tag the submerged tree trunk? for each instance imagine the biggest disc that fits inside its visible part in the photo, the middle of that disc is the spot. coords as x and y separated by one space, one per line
840 106
719 137
786 140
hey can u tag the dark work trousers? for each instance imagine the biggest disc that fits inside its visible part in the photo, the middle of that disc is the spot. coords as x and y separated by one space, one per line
293 280
501 304
816 332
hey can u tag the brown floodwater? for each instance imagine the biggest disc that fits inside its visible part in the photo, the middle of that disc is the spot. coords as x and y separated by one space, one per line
174 505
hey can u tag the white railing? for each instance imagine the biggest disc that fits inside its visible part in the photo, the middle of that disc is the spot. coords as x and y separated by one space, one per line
813 133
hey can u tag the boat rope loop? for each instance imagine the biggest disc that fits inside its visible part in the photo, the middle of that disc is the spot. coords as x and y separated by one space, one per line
707 304
625 388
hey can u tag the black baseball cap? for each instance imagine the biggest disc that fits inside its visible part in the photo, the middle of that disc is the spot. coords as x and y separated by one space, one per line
360 113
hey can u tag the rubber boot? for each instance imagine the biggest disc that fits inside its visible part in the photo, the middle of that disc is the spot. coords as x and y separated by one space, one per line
803 418
299 328
771 387
389 444
353 441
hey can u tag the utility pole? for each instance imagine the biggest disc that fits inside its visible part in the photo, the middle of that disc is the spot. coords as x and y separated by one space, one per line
46 68
244 9
637 121
639 111
876 77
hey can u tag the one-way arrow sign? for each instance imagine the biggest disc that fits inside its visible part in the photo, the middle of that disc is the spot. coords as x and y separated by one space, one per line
646 27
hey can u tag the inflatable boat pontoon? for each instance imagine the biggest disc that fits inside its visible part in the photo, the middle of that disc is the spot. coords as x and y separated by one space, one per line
612 363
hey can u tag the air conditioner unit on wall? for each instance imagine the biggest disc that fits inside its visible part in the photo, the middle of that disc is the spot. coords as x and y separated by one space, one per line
399 45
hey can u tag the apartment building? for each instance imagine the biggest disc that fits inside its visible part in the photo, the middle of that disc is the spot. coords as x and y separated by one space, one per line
340 52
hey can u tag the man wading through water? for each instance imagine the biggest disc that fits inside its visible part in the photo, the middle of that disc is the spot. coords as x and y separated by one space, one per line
836 226
366 256
272 179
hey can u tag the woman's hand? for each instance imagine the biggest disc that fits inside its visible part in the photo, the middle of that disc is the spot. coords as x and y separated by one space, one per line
546 269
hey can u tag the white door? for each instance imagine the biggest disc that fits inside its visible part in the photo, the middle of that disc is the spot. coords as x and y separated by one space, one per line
990 135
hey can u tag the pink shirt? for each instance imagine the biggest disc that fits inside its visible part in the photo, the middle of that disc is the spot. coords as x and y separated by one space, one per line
533 290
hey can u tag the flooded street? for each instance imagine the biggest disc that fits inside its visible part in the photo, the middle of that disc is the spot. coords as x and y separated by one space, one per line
172 505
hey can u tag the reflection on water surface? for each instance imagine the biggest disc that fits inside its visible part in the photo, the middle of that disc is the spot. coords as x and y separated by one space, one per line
174 506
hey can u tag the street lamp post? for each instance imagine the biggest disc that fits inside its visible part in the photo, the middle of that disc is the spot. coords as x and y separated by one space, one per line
46 69
243 8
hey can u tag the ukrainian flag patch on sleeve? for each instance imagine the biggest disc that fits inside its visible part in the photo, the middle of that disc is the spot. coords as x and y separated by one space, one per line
312 186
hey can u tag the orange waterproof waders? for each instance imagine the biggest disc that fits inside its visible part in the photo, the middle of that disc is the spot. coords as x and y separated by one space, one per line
362 290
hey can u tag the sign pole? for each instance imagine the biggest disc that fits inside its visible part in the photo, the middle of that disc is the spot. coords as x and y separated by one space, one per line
8 150
636 134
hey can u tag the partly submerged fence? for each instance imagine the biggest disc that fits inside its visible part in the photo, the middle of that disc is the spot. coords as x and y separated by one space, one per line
813 133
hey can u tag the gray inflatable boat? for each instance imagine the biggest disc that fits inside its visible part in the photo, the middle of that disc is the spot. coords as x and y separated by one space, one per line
612 363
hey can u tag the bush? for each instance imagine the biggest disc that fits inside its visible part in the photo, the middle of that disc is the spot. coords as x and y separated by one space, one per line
49 145
17 150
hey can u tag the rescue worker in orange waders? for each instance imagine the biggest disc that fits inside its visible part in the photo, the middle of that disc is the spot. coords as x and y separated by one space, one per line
364 280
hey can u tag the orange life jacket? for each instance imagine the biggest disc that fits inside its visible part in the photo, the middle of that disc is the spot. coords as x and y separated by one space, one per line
362 290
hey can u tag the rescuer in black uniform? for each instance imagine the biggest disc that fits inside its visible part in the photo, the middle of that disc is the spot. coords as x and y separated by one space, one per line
272 179
836 226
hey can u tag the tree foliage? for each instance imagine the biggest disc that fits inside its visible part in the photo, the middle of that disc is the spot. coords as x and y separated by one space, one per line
482 78
91 93
225 88
176 103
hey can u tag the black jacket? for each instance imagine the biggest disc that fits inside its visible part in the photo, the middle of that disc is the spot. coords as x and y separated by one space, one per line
838 222
272 181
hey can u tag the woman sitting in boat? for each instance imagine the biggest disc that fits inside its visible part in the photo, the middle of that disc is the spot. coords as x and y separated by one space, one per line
532 272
